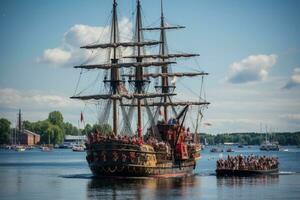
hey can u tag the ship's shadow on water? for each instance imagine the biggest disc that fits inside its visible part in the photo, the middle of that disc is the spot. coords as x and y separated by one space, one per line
139 188
166 188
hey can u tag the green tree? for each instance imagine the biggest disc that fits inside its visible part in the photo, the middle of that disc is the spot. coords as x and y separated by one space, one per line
4 131
55 134
87 129
68 128
102 128
281 139
28 125
56 118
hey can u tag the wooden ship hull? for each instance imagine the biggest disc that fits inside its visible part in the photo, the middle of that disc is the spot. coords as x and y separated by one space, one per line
131 170
231 172
127 160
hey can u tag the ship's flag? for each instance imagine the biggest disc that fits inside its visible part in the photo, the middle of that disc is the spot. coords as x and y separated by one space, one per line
81 117
160 112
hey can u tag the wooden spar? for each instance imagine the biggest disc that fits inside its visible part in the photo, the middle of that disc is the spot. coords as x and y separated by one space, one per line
120 96
121 44
183 103
123 65
162 28
177 74
158 56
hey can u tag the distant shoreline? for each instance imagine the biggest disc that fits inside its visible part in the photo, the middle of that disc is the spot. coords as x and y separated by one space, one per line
283 138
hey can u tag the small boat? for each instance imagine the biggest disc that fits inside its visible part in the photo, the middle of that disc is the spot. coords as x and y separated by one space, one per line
46 148
269 146
240 146
20 148
78 148
31 147
202 146
229 150
216 150
64 146
232 172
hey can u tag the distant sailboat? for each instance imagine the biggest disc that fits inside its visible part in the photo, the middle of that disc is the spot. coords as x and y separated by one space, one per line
268 145
48 147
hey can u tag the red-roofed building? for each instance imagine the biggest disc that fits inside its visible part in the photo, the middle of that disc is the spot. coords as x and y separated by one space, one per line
29 138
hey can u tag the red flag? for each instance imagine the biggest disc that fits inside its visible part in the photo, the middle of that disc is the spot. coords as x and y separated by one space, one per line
81 117
159 112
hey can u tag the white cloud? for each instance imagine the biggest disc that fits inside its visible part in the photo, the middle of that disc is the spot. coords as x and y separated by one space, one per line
294 80
250 69
291 118
14 99
80 35
36 105
55 56
69 52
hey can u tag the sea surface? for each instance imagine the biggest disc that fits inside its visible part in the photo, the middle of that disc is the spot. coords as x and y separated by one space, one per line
63 174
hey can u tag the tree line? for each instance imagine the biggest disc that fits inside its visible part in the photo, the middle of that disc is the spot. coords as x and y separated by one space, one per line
51 130
284 138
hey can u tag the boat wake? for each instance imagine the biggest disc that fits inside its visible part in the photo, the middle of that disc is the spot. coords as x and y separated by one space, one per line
78 176
287 173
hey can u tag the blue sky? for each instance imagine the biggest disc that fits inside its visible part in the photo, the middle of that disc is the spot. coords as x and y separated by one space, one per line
250 48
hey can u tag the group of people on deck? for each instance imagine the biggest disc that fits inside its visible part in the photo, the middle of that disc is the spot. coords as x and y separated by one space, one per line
251 162
97 137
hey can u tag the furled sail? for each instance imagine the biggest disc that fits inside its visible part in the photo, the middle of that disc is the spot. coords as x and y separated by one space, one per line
120 96
162 28
125 65
120 44
159 56
177 74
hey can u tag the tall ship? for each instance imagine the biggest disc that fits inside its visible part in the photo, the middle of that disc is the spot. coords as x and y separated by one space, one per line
149 133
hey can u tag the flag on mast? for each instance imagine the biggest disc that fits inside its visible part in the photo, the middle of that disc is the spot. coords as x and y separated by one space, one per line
81 117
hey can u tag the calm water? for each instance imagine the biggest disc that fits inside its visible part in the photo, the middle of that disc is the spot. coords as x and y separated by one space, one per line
63 174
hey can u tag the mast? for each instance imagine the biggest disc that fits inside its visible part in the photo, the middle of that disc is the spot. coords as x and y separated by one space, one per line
115 84
114 71
20 126
164 69
139 70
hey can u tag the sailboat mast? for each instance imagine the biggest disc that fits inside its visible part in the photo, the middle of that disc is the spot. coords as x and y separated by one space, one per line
20 127
164 69
139 70
114 71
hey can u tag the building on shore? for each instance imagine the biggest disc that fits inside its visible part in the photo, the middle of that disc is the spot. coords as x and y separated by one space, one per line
21 136
28 138
71 140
